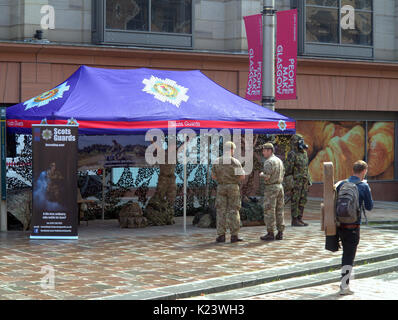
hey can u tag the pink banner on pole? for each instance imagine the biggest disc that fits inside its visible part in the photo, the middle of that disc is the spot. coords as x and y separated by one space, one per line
254 32
286 55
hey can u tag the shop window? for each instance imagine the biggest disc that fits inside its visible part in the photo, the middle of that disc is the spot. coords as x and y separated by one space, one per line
380 146
322 34
344 142
154 23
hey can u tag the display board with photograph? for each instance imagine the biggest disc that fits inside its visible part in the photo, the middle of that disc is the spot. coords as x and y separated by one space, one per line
344 142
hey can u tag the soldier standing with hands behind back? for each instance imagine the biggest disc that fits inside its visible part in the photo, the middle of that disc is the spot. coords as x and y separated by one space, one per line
228 173
273 194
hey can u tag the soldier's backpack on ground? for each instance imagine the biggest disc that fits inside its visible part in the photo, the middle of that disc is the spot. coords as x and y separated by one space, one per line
347 203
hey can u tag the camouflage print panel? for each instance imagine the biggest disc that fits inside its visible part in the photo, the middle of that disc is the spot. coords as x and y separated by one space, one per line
274 207
228 203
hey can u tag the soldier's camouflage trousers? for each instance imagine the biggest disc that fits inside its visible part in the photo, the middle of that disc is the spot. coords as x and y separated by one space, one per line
299 197
274 207
228 203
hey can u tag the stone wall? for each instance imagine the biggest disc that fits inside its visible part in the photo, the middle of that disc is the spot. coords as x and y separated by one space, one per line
219 24
19 20
385 29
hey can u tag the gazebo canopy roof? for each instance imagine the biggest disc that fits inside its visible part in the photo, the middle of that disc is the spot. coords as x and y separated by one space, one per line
107 101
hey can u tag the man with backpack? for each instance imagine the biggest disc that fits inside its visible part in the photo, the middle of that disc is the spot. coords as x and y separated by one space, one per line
353 197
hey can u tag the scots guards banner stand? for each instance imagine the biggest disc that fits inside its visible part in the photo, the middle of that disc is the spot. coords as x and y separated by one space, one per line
254 32
55 212
286 55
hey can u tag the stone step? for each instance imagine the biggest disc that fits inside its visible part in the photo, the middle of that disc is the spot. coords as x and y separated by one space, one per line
363 271
250 279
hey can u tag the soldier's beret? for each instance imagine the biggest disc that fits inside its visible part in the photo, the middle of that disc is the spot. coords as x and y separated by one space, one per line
267 145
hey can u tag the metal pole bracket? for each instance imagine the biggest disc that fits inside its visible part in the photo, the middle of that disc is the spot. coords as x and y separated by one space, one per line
269 11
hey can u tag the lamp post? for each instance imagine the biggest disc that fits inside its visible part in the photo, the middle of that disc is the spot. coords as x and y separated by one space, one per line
268 98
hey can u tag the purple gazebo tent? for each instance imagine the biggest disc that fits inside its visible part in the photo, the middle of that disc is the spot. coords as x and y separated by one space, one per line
131 101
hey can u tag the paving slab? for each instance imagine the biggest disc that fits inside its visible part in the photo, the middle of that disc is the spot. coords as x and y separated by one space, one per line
108 261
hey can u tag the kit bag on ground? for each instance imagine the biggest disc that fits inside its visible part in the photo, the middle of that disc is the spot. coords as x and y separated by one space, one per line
347 203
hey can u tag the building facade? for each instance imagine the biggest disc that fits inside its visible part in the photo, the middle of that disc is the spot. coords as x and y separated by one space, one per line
347 78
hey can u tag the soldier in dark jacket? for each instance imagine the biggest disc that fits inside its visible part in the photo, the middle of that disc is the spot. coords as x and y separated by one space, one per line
296 165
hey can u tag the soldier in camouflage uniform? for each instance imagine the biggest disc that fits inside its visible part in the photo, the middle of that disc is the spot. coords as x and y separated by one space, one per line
297 165
273 194
228 173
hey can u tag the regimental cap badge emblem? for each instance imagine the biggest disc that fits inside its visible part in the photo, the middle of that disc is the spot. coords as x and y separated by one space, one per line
46 97
46 134
166 90
282 125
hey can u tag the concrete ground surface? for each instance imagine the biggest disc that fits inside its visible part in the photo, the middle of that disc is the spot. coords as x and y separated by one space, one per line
110 263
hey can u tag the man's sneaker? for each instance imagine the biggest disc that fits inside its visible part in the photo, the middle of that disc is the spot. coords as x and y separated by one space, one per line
220 238
345 291
279 236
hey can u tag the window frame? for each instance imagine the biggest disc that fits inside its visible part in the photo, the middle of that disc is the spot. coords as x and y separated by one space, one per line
102 35
337 50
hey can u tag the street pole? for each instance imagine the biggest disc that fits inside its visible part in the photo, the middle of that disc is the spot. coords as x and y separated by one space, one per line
185 184
268 98
3 148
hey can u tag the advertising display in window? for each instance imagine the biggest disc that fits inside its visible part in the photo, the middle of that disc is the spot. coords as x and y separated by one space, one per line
127 15
344 142
381 150
165 16
172 16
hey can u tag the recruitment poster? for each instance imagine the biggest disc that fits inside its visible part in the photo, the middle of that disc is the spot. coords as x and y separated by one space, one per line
55 212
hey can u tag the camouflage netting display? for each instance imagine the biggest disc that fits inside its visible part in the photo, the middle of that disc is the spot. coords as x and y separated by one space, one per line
19 188
153 206
131 216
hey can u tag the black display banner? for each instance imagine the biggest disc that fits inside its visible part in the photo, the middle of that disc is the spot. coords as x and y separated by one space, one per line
55 212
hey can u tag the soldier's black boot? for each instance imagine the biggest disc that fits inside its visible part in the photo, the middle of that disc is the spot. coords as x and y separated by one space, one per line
296 222
268 237
220 238
279 236
235 239
300 219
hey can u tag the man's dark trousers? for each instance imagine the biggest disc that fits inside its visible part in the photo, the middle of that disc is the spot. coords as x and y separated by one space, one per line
350 240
